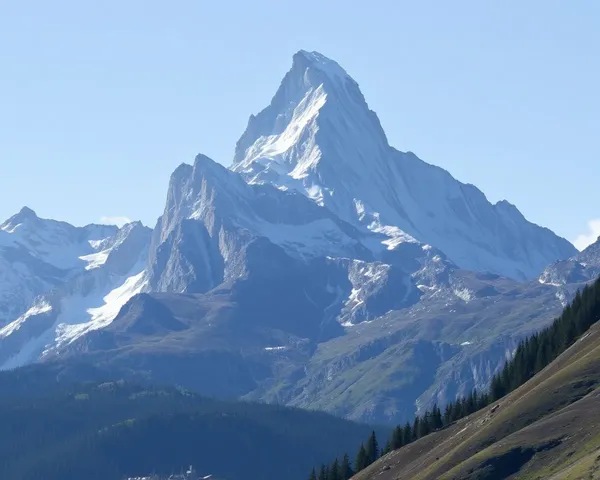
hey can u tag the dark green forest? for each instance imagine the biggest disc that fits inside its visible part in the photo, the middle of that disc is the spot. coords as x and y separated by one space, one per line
117 429
532 355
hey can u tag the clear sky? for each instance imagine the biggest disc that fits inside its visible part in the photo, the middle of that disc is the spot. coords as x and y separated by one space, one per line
101 100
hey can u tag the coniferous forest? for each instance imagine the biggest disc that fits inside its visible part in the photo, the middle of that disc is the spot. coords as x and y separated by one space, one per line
114 430
532 355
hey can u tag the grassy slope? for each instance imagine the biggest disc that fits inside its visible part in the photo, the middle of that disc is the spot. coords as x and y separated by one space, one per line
547 429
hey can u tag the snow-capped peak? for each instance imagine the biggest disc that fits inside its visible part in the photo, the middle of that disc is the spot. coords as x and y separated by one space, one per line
318 136
316 61
317 131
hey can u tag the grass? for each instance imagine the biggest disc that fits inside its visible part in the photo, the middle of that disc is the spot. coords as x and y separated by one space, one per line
548 428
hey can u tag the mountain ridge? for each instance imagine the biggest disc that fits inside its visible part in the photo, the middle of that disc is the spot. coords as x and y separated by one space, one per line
319 136
311 269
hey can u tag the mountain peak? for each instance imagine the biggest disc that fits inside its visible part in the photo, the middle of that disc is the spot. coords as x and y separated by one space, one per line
318 136
317 61
26 214
317 99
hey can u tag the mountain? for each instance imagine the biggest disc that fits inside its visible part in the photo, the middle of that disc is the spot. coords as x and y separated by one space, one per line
256 292
319 137
582 267
37 255
84 297
546 428
323 270
113 430
216 227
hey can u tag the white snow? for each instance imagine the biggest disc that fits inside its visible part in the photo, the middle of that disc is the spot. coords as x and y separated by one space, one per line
274 147
37 309
95 260
78 314
275 349
10 228
90 295
317 238
464 294
98 313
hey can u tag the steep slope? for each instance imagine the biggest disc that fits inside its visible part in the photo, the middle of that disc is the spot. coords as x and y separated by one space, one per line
319 137
37 255
215 227
87 299
547 428
113 430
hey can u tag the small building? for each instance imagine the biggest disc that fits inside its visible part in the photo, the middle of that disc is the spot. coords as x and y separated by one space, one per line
189 474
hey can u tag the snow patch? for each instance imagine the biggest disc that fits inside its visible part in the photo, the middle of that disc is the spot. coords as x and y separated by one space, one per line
95 260
464 294
36 309
97 317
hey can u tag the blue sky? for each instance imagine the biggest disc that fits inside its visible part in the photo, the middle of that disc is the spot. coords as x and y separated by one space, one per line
101 100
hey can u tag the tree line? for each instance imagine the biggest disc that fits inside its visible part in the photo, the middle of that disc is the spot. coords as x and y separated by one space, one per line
532 355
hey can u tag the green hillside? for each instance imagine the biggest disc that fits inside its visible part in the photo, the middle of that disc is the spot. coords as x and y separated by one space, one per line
547 428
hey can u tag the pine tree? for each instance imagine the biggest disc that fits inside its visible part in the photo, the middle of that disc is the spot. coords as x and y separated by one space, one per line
362 460
346 471
372 449
407 434
397 440
388 448
324 473
436 418
334 471
424 425
416 428
448 414
313 475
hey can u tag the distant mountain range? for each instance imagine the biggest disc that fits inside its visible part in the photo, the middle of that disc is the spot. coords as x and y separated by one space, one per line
324 269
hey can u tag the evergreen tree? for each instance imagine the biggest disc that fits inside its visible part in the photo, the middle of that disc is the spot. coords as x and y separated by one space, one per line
436 418
423 428
388 448
397 440
313 475
407 434
372 449
416 428
346 471
324 473
334 471
448 414
362 461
